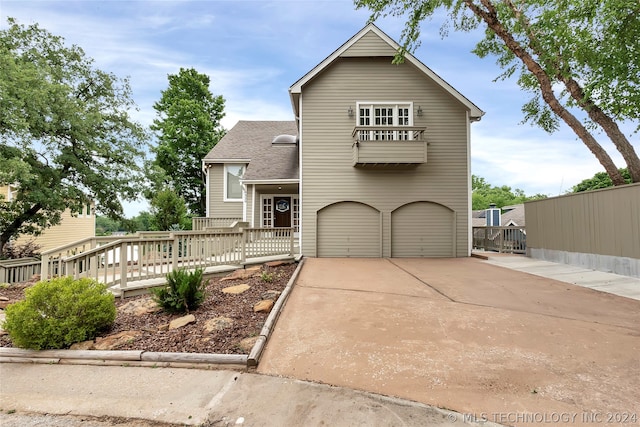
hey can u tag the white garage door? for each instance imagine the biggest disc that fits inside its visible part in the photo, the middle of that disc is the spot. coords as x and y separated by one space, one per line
422 229
349 229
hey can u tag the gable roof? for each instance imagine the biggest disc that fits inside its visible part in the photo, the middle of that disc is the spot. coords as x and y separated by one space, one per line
509 215
295 90
251 142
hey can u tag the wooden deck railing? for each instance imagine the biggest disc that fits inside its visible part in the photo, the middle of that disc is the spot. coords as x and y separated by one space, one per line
202 223
18 270
149 255
500 239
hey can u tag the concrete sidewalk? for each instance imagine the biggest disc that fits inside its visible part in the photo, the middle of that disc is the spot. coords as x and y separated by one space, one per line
194 397
616 284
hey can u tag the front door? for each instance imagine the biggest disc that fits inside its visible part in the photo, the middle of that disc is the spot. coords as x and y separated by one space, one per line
282 211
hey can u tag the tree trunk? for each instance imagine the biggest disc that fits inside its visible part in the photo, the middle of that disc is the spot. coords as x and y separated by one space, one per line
12 229
490 17
610 127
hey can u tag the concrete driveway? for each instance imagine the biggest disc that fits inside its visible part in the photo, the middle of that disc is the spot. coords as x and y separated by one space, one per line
464 335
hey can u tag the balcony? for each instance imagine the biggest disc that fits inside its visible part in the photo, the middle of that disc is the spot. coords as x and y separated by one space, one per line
389 146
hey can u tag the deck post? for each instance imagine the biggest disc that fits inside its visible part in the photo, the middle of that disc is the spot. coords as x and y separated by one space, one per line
292 242
245 239
123 267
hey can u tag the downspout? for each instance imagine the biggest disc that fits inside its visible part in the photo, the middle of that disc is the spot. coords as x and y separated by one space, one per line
300 168
469 189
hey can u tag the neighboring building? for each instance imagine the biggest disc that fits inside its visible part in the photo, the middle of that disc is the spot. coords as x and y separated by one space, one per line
376 164
509 216
71 228
504 240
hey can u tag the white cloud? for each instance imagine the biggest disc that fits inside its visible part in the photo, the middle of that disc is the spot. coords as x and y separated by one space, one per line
254 50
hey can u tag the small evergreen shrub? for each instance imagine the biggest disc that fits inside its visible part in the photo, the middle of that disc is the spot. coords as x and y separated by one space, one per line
266 276
184 291
60 312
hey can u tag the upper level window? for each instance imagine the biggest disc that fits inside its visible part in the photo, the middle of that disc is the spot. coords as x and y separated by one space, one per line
232 186
379 115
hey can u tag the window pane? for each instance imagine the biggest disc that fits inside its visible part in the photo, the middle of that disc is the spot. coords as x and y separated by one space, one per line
234 189
365 116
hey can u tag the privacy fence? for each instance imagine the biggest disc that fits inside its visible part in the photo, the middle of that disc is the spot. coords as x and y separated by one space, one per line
596 229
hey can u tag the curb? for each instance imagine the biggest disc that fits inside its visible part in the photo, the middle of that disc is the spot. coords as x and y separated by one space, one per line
155 359
256 351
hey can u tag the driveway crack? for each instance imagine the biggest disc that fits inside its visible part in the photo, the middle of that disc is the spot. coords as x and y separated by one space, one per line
422 281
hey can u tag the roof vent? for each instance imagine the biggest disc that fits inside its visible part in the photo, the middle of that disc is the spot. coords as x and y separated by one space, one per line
285 139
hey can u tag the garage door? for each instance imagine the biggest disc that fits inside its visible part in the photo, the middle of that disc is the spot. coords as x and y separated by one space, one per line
348 229
422 229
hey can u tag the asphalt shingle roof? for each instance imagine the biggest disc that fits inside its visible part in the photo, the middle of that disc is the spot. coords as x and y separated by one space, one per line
252 140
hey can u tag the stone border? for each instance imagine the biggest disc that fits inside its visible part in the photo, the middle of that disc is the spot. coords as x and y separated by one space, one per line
155 359
256 351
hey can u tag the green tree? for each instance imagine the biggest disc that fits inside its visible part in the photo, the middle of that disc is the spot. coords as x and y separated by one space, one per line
573 56
187 127
483 194
67 138
599 180
105 226
169 211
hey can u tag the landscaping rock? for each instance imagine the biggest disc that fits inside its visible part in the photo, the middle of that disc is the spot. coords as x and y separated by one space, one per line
247 344
4 299
140 307
182 321
242 273
263 306
218 324
238 289
276 263
114 341
4 304
84 345
271 294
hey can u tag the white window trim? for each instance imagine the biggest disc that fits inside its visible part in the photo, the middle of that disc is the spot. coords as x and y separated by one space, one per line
271 196
224 183
394 104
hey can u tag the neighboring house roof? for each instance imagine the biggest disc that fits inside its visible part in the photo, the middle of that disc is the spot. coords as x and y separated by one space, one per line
296 89
511 215
251 142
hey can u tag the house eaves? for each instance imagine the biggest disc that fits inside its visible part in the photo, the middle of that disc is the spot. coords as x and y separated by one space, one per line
295 90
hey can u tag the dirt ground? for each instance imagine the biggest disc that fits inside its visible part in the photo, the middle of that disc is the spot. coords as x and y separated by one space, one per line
150 328
491 343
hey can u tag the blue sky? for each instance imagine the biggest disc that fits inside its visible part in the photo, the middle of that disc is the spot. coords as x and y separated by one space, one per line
254 50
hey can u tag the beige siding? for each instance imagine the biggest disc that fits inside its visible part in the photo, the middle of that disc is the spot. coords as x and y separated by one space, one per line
349 229
604 222
369 45
218 208
422 229
71 229
327 159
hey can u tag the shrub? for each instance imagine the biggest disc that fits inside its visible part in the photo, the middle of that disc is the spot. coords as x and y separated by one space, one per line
13 250
266 277
184 291
60 312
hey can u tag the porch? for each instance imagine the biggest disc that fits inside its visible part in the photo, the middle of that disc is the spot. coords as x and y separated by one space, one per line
509 239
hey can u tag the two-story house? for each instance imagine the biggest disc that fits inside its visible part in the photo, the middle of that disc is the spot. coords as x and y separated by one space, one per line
73 226
376 163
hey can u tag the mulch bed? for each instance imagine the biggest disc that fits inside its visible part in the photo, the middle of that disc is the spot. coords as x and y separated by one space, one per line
193 338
